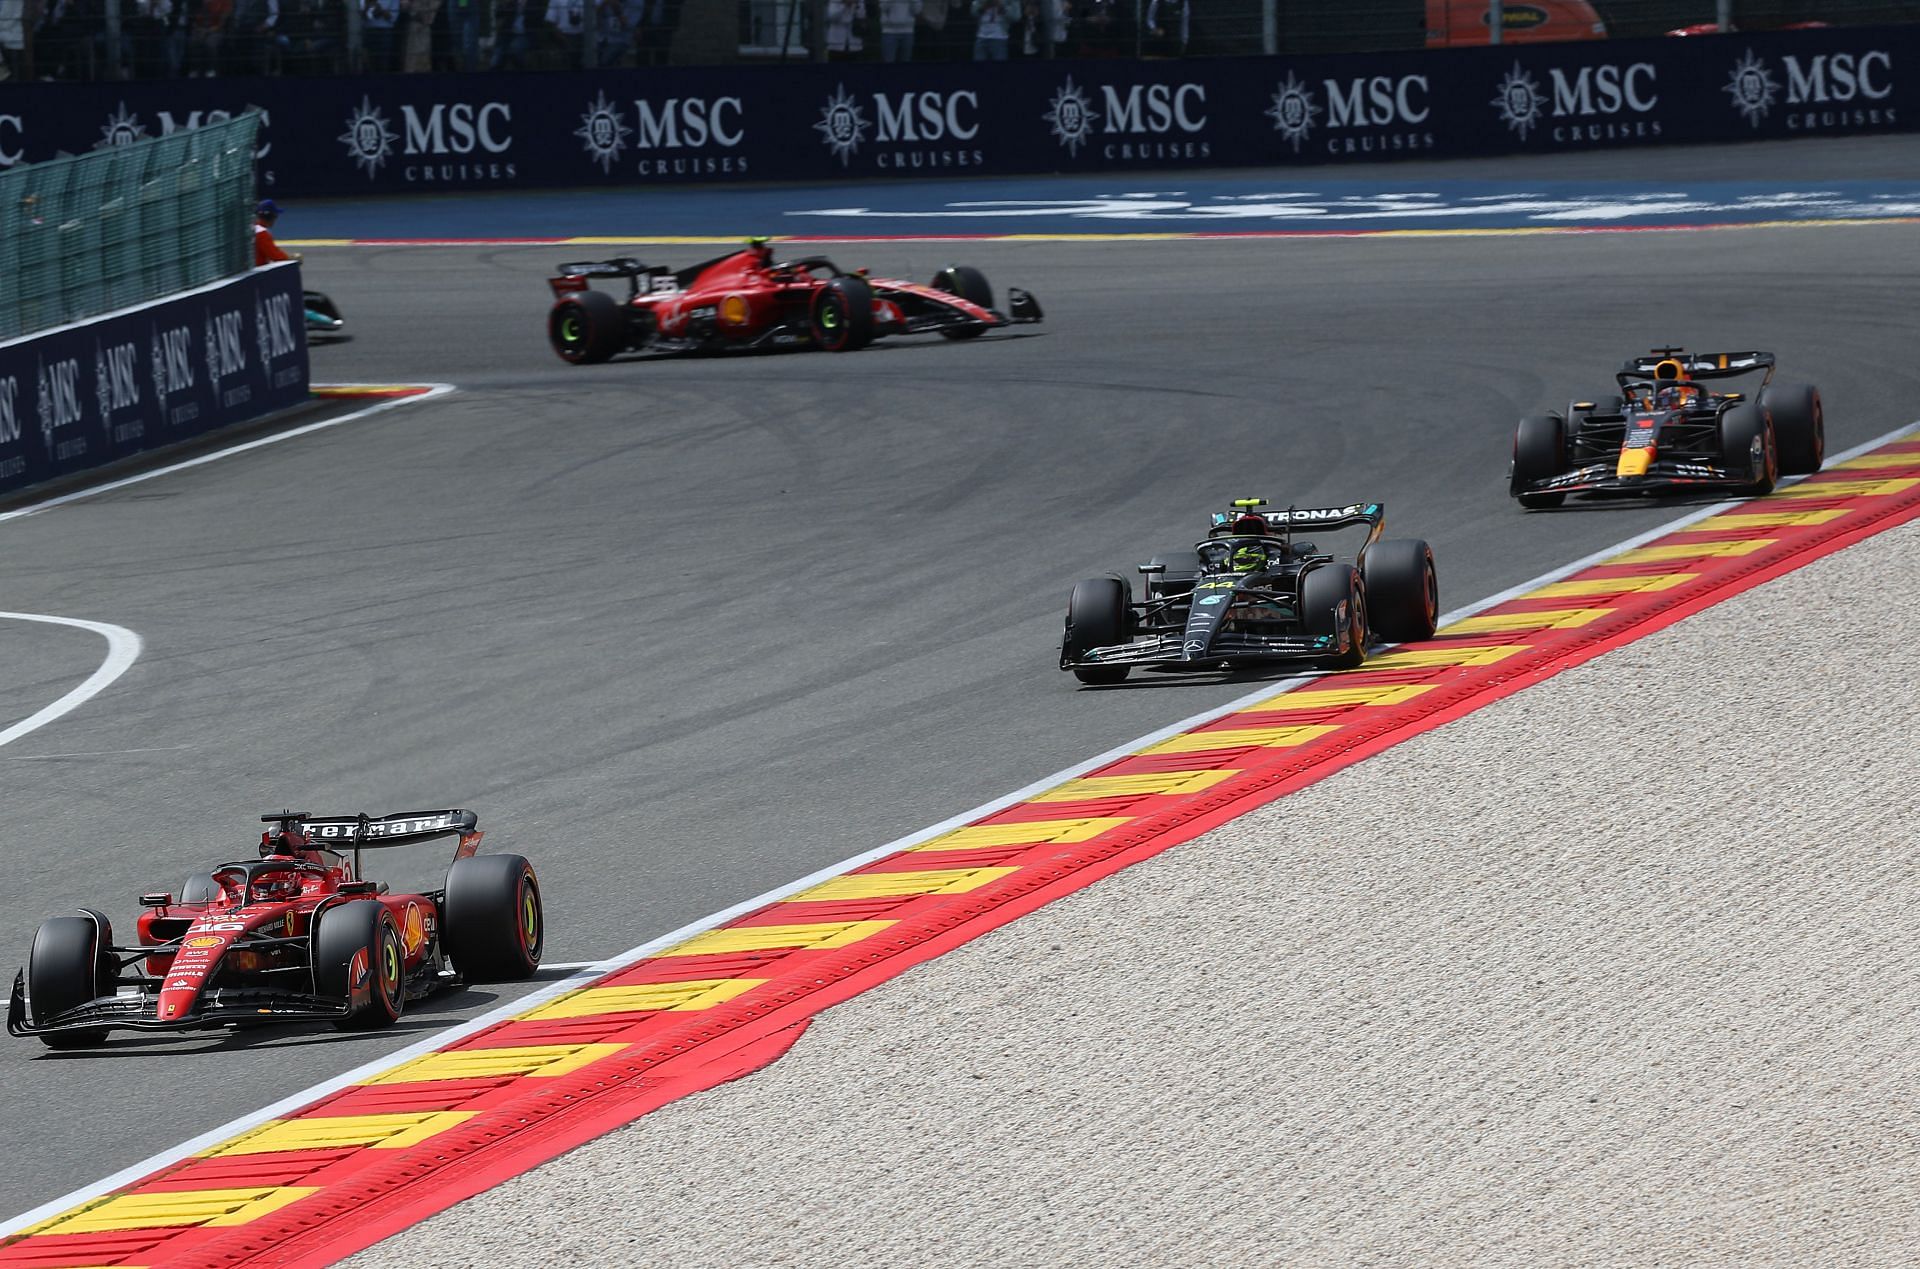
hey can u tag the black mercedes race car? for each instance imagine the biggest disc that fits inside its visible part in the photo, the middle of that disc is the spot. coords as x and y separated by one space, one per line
1664 431
1254 592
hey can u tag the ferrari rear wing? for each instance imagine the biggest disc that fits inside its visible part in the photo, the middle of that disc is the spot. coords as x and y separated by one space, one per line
1697 365
353 832
618 267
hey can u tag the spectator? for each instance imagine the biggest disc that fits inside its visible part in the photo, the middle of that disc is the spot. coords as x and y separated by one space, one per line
618 27
1176 12
13 38
1040 15
511 38
309 47
990 33
843 36
148 34
897 18
567 19
206 30
252 37
378 36
417 56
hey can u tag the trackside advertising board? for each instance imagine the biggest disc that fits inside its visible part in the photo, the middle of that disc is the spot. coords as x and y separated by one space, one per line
412 133
79 396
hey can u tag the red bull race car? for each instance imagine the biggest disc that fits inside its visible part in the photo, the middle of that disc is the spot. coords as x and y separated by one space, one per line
296 934
747 299
1666 431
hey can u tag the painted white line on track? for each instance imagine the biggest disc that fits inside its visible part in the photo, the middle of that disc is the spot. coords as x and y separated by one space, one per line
433 390
123 648
475 1025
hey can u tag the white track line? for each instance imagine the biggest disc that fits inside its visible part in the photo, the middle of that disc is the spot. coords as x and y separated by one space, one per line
433 390
123 648
472 1026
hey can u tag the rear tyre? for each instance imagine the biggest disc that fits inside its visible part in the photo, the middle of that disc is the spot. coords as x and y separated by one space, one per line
587 328
1539 451
1403 591
1097 618
841 318
492 923
1321 594
1799 426
68 967
1748 447
357 948
970 285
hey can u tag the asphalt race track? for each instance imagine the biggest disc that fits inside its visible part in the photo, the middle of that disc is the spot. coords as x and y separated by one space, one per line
684 630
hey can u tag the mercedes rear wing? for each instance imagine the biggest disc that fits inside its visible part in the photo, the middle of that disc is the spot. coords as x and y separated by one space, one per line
1697 365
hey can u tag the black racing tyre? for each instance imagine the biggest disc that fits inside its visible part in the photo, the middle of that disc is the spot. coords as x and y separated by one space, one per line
587 327
68 966
1321 594
1403 590
1799 426
358 944
970 285
492 923
841 318
1748 447
1539 451
1097 614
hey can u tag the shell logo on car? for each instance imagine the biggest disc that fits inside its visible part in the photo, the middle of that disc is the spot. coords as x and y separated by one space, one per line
203 940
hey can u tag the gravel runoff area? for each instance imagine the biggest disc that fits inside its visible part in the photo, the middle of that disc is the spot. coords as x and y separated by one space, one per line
1620 970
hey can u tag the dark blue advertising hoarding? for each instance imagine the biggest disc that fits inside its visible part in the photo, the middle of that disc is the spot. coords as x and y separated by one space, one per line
407 133
80 396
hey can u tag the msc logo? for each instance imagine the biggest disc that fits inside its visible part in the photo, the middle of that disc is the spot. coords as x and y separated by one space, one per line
924 118
1859 80
116 379
273 327
678 123
1603 91
462 129
226 351
18 127
9 411
1361 104
172 366
58 403
1151 111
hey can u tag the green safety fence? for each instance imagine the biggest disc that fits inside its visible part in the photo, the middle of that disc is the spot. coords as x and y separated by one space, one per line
85 235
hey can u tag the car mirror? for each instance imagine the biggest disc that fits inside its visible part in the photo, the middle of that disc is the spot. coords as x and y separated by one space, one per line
1151 569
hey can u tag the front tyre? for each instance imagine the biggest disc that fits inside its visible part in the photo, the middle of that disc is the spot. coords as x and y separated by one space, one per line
1799 426
587 328
970 285
1097 612
68 967
358 959
492 922
1322 594
841 316
1748 448
1403 590
1539 452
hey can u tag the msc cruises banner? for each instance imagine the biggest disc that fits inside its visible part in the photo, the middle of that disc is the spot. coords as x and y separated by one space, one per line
409 133
79 396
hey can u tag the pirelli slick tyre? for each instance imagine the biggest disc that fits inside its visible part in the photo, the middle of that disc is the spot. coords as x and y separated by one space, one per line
358 958
1097 612
1403 590
1539 451
970 285
68 966
1799 426
1322 593
587 328
841 317
492 924
1748 447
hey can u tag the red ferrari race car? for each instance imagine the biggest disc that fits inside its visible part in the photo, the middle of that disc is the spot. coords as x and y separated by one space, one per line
295 934
747 299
